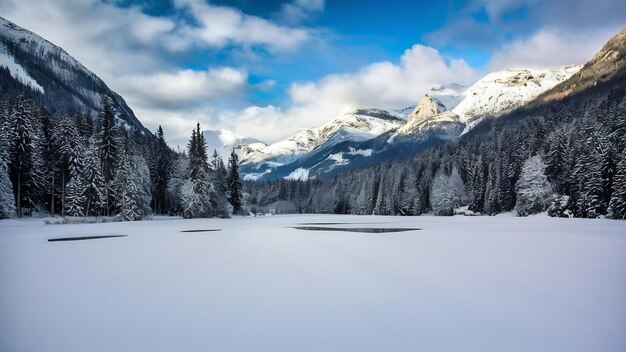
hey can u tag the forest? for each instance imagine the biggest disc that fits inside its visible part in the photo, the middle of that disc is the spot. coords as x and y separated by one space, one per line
79 166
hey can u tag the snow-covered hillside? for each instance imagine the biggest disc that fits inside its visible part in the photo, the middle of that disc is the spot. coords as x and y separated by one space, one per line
66 84
502 91
17 71
493 95
458 283
359 125
223 141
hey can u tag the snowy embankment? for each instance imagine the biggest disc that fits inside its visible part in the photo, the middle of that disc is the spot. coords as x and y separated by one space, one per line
486 283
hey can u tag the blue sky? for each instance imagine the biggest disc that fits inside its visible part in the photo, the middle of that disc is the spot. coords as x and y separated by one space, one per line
266 68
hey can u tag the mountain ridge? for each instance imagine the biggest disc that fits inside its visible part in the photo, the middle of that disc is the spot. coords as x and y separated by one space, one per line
66 84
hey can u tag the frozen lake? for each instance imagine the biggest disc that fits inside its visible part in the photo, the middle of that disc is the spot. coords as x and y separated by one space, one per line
259 284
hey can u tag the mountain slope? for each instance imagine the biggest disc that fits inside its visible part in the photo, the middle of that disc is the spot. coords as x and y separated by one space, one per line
609 62
503 91
62 83
357 126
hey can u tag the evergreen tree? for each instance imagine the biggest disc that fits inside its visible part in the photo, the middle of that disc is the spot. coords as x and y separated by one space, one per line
162 173
93 182
447 193
25 159
132 186
196 191
556 159
533 189
617 205
74 197
109 150
68 146
235 186
7 201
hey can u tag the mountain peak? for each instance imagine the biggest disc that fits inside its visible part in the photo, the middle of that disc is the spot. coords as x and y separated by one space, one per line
427 108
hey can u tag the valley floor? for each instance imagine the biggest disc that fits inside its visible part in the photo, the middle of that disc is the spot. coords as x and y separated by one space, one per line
462 283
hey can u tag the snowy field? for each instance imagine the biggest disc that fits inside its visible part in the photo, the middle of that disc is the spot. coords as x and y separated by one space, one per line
461 283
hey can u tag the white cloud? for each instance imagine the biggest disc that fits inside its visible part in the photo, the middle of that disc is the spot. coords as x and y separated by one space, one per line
220 26
382 85
297 11
550 48
179 89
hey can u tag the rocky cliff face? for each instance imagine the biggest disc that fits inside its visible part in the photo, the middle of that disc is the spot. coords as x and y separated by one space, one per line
425 109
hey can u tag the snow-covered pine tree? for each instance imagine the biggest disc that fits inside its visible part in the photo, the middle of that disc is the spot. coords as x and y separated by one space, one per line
7 199
68 146
93 182
556 160
24 133
49 154
589 191
109 150
220 174
447 192
74 196
162 171
617 205
533 189
196 192
235 186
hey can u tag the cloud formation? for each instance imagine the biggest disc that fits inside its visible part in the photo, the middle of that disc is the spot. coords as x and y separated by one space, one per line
296 11
220 26
382 85
182 88
562 31
550 48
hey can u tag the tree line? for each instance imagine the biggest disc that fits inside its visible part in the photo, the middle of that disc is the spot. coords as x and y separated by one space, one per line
80 166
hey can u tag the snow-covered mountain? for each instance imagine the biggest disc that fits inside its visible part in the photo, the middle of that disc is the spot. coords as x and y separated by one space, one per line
356 126
503 91
493 95
368 136
59 81
223 141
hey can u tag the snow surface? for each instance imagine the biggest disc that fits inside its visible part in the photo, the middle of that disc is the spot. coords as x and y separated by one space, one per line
461 283
300 173
44 49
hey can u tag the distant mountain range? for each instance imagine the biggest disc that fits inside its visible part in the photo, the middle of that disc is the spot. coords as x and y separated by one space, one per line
366 136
